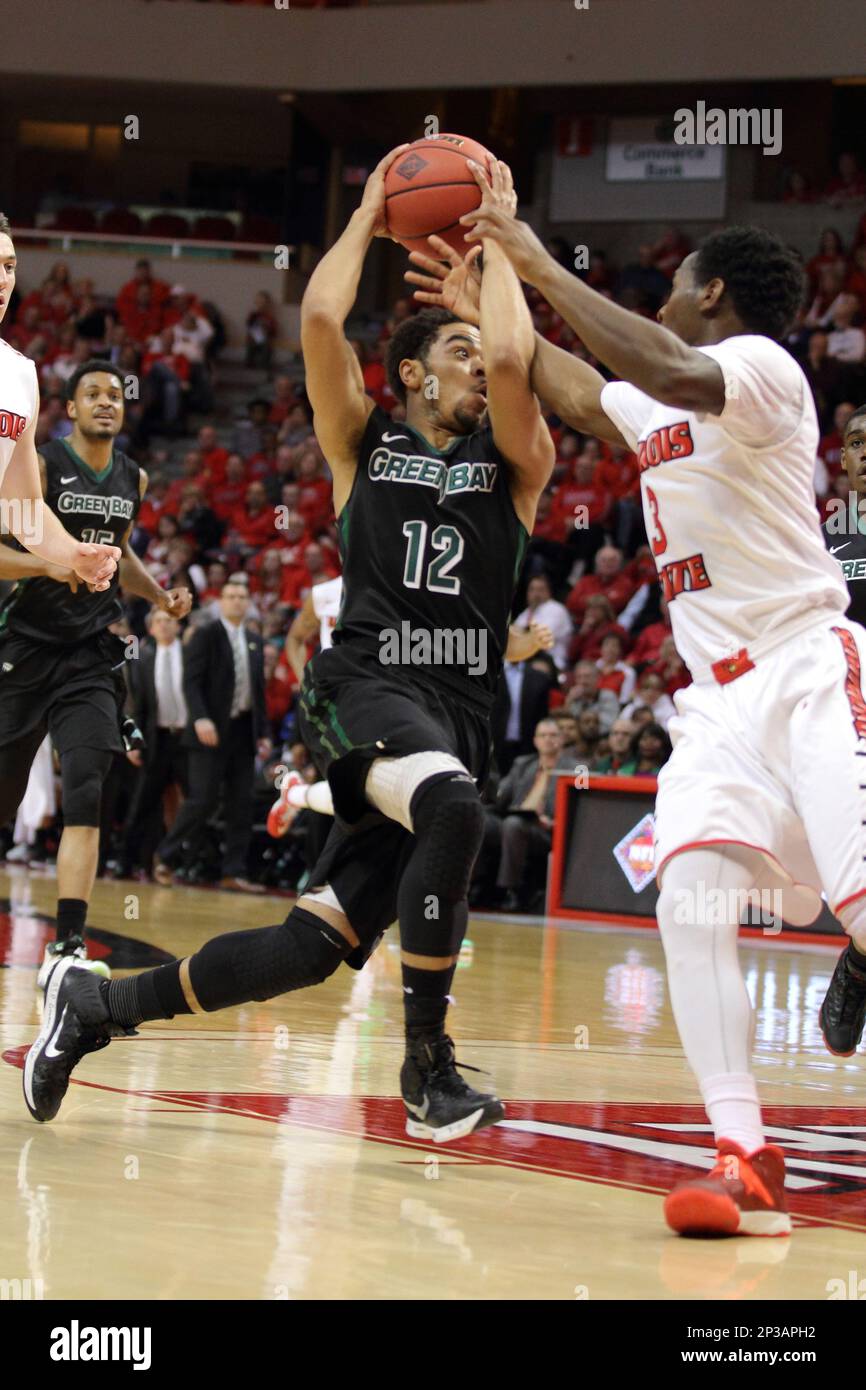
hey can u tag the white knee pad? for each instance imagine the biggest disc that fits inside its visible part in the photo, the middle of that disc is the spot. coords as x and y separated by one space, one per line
392 782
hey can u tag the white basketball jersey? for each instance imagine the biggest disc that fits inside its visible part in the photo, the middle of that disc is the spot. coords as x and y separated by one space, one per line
729 505
327 598
19 401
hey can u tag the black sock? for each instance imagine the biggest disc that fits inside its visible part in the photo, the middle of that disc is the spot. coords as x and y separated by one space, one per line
856 958
71 916
141 998
425 1001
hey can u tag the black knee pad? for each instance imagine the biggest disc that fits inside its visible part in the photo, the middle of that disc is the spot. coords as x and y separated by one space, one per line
448 821
263 963
83 771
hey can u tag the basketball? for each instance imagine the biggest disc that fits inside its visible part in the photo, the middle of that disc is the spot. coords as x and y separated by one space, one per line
430 187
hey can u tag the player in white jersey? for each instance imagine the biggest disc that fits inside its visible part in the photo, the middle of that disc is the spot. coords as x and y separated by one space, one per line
763 790
22 509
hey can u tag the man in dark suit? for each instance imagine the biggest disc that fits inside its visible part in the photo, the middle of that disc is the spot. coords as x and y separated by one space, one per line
522 699
224 689
159 710
518 829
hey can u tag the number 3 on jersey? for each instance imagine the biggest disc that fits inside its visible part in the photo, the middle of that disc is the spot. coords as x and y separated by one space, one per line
448 541
658 539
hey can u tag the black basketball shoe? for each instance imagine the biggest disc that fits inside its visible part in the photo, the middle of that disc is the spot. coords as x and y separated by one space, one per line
843 1011
74 1021
439 1104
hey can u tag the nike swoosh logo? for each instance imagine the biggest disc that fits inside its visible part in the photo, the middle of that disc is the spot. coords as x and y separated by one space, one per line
389 438
419 1110
834 548
68 480
51 1050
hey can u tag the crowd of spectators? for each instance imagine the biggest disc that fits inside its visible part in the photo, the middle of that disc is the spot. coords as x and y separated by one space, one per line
250 497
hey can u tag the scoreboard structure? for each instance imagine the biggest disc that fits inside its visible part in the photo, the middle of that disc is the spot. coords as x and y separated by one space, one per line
601 865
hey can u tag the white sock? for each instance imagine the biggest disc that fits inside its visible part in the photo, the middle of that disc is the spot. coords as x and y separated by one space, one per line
313 798
708 994
734 1110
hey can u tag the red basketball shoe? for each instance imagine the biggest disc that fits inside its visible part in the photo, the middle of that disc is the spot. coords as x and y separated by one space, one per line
744 1195
281 814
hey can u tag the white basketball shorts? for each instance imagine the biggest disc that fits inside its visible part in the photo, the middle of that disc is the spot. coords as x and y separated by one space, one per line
776 761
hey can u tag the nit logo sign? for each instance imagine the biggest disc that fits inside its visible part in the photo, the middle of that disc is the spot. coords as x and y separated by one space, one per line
635 855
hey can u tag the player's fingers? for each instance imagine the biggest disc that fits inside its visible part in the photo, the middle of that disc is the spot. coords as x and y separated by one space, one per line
472 256
424 282
424 298
387 160
444 251
428 264
506 176
479 175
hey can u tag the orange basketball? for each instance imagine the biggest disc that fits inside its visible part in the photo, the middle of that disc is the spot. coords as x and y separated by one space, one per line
429 188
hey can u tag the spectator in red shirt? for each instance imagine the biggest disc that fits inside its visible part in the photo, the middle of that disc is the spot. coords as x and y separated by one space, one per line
648 646
191 471
226 497
278 689
314 502
142 320
297 581
608 579
154 502
855 281
585 506
127 298
550 524
613 672
567 450
599 621
263 463
285 399
266 582
252 525
671 667
849 184
213 456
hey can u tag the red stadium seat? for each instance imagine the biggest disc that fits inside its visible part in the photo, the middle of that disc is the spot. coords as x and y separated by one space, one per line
120 222
75 220
167 224
214 229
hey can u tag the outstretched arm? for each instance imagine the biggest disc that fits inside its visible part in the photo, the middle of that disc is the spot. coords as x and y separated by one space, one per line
634 348
32 522
508 345
562 382
136 579
334 381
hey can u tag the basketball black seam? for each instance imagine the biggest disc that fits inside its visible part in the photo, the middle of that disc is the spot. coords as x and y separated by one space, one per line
448 183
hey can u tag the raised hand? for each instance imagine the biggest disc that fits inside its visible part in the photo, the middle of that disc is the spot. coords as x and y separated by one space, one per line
456 285
373 201
494 219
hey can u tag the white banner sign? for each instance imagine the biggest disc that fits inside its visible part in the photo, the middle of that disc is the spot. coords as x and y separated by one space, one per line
635 152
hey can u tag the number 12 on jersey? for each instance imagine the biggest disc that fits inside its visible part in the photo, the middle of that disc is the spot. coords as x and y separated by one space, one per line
448 541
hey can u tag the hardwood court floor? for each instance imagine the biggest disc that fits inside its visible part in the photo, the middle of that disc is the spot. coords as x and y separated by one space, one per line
260 1153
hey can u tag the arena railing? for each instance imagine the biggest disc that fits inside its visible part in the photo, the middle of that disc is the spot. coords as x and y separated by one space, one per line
174 248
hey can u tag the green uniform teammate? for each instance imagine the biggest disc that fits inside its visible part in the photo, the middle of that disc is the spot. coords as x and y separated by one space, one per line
59 665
